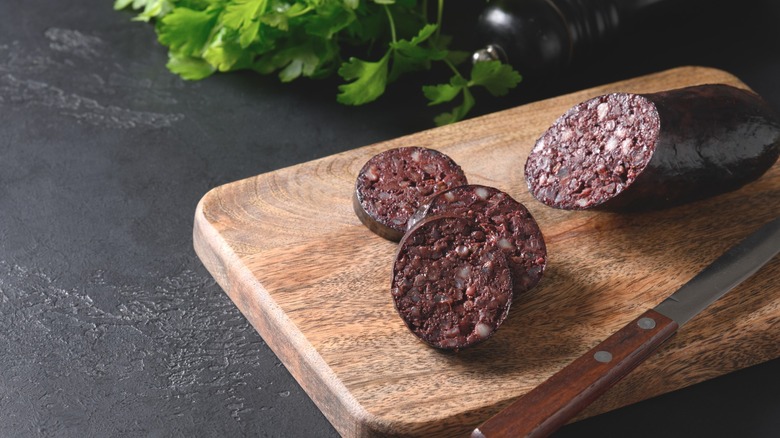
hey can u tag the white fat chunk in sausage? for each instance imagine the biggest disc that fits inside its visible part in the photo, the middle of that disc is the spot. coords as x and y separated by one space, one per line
464 271
539 147
504 243
602 110
372 174
481 192
431 169
612 144
482 330
626 146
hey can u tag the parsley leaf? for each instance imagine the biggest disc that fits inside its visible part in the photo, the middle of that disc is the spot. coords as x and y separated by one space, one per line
189 68
411 55
329 19
370 80
293 62
444 92
121 4
312 38
240 14
224 53
186 31
151 8
459 112
496 77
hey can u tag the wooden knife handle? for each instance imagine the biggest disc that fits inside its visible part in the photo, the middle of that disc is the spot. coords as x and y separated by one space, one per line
557 400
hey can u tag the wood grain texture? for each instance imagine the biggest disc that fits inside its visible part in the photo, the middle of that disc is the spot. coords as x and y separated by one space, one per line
289 251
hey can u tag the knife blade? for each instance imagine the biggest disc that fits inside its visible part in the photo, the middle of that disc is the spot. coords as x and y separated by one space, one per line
557 400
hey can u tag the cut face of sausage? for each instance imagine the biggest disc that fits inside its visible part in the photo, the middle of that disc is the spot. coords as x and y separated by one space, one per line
451 286
507 223
628 152
393 184
593 152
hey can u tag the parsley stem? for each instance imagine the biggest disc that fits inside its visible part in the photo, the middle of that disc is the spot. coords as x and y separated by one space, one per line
301 12
452 67
392 23
439 15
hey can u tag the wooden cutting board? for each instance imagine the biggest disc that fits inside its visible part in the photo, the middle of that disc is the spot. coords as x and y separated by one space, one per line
289 251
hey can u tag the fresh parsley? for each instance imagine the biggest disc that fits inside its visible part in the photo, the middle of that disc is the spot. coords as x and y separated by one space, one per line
309 38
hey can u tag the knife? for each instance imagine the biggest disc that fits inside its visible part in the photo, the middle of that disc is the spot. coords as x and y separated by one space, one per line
557 400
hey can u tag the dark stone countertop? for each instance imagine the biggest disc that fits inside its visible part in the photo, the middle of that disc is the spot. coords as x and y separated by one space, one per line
110 325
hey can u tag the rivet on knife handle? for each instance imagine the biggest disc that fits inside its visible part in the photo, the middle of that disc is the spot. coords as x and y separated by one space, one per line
553 403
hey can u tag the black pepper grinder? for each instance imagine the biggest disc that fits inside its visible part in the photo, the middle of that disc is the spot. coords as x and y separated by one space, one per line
540 37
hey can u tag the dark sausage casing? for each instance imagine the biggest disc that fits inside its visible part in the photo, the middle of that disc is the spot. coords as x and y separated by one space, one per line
451 285
393 184
507 223
626 151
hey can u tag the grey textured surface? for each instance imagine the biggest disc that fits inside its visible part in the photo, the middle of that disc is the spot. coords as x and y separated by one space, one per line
109 324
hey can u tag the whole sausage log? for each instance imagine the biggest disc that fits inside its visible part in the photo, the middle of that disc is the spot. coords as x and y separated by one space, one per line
393 184
451 286
507 223
627 151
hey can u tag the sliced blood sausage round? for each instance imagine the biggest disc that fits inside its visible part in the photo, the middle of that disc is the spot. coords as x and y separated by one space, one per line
393 184
451 286
626 151
507 223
